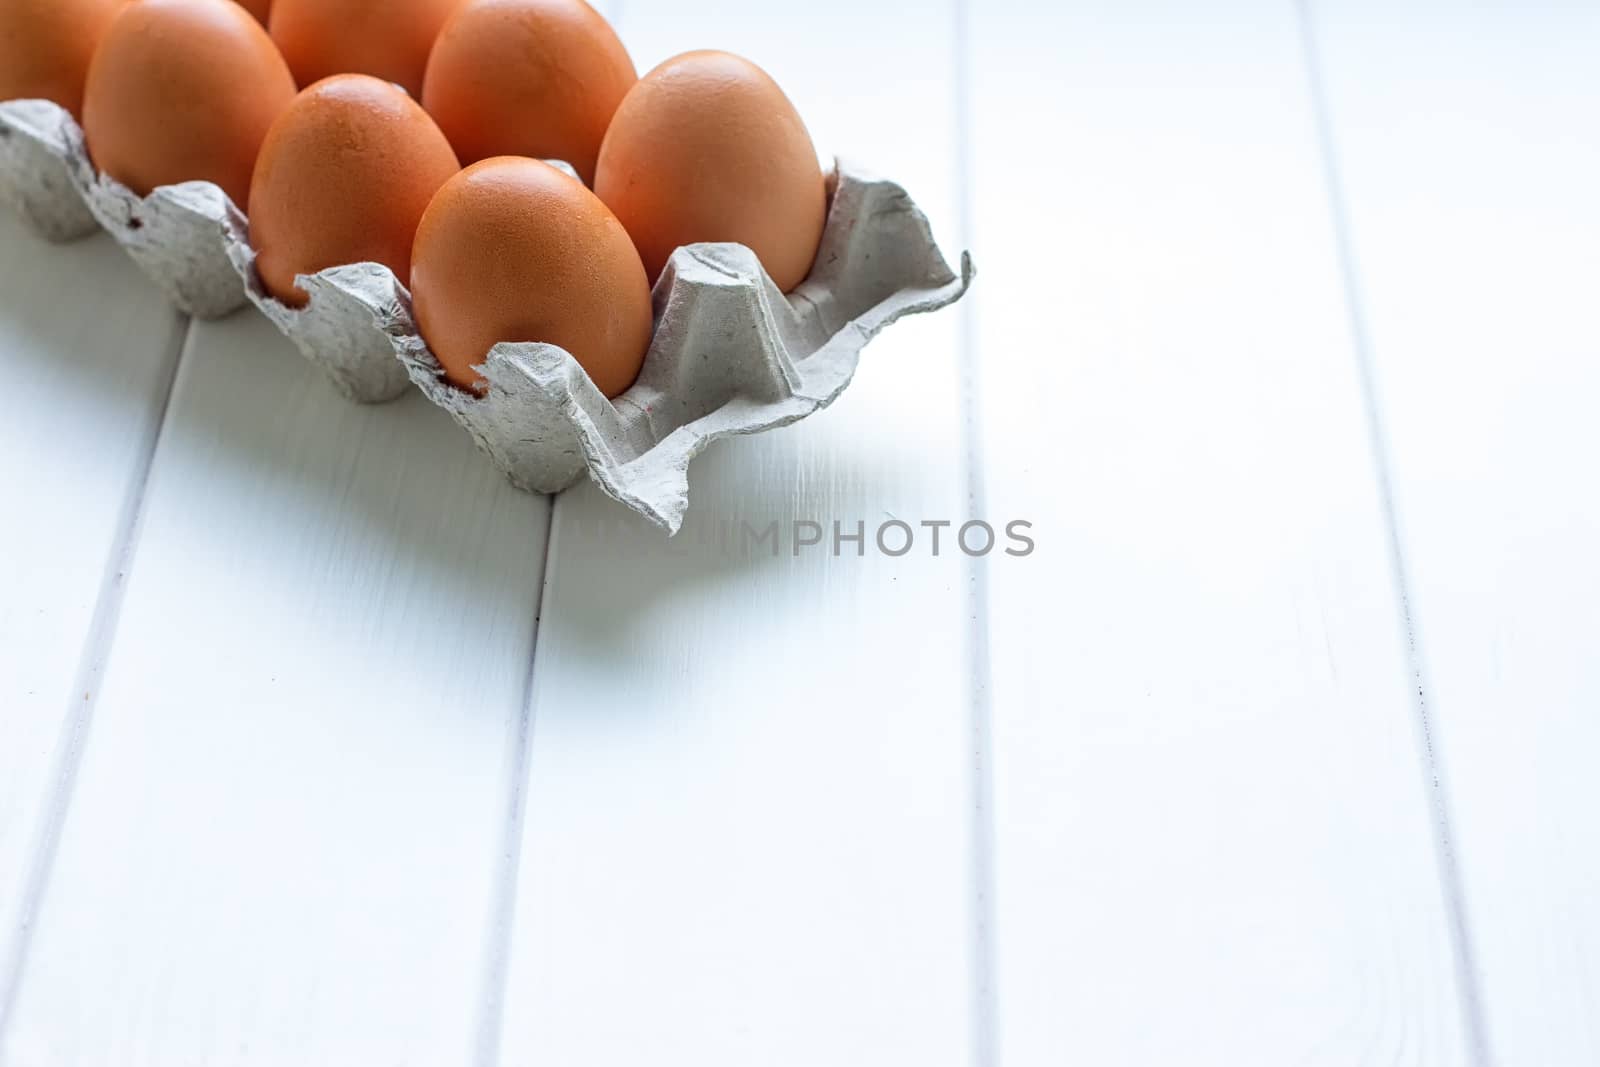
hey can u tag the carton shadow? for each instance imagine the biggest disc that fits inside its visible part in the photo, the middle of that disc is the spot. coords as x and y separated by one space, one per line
261 437
616 578
256 449
59 300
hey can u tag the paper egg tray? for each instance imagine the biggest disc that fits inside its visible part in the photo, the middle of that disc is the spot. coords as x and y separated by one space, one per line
731 354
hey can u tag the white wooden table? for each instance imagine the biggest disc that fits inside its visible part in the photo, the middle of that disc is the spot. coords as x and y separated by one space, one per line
322 745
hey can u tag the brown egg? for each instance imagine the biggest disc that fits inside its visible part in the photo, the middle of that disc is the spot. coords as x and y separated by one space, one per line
259 8
183 90
389 39
537 78
343 177
45 47
514 250
707 148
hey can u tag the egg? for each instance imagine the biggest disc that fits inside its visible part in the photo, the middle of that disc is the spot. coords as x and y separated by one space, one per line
343 177
259 8
512 249
706 147
537 78
389 39
183 90
45 47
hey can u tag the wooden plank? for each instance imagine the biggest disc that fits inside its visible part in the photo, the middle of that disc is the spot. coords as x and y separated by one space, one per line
1465 137
87 350
1212 834
745 837
285 839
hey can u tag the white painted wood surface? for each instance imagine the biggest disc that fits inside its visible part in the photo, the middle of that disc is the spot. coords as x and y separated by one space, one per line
1212 839
1468 139
87 349
745 829
738 812
284 841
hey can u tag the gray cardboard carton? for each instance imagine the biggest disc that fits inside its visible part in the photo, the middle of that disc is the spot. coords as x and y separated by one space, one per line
730 355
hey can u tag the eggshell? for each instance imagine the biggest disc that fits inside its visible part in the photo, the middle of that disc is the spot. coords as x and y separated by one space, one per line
706 147
183 90
343 177
536 78
259 8
46 45
389 39
512 249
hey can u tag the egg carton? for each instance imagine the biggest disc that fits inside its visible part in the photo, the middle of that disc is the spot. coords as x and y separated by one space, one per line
730 355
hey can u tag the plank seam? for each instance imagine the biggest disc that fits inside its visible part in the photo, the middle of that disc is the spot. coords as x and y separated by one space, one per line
1427 730
981 831
98 642
503 912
